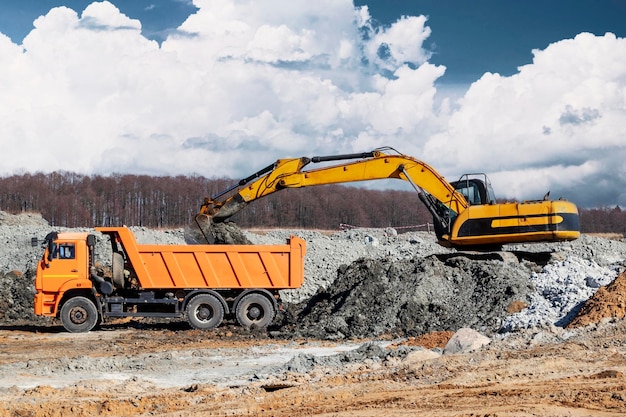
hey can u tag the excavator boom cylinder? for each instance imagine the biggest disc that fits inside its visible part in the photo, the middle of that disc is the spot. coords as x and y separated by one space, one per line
345 157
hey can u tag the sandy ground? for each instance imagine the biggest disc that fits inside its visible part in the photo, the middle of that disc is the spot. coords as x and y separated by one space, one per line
171 370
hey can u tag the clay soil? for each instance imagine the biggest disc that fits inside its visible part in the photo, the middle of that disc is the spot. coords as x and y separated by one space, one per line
171 370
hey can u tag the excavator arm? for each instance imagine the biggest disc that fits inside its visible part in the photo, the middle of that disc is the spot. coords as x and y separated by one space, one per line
444 202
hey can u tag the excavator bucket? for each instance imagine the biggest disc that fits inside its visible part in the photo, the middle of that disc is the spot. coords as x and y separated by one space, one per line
205 230
200 231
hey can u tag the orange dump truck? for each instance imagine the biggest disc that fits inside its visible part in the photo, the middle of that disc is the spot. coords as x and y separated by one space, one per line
203 283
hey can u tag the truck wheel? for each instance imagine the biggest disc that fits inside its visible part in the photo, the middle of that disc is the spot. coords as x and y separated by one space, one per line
255 310
205 311
117 267
79 315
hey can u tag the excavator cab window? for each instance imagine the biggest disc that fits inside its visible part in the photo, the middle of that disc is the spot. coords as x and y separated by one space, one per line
476 189
471 192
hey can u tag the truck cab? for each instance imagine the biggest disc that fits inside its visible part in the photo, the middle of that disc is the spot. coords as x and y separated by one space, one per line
63 269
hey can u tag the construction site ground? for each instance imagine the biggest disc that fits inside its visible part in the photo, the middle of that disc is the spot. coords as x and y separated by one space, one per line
172 370
367 335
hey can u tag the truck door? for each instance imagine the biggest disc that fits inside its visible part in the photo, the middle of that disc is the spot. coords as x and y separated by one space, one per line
65 264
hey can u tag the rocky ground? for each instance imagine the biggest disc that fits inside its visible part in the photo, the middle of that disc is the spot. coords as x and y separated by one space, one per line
386 324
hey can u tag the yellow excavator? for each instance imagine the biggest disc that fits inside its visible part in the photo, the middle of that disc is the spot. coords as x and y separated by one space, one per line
465 212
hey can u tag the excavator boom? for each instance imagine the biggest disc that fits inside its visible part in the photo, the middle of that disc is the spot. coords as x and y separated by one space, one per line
462 219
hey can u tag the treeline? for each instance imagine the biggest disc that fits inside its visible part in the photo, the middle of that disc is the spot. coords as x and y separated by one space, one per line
73 200
603 220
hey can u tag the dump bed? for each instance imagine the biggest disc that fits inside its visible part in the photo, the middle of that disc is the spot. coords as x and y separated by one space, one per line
213 266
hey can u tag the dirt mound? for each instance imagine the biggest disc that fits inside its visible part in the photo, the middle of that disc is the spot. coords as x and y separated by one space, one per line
372 297
22 219
16 299
608 302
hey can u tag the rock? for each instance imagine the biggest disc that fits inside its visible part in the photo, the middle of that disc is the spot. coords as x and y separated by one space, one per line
593 282
465 340
421 355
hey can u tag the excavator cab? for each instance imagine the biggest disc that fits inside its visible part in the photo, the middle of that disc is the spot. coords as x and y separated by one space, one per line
476 188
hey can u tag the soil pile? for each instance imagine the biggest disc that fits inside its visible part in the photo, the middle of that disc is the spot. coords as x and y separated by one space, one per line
22 219
372 297
327 253
608 302
430 340
16 299
227 233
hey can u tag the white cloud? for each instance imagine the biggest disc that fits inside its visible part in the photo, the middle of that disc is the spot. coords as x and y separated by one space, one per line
90 93
399 44
543 126
242 83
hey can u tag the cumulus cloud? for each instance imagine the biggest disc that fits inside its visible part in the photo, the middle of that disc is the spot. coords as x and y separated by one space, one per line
238 85
553 125
242 83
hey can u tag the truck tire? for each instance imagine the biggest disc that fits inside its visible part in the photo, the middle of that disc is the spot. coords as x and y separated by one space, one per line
79 315
117 267
205 311
255 310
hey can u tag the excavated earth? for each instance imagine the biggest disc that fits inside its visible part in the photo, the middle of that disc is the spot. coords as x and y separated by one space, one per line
386 324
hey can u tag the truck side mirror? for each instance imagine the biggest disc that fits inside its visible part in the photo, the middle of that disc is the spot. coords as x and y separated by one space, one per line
91 240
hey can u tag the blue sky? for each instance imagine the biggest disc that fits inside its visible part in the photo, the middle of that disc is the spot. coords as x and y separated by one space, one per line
478 36
468 37
158 17
532 93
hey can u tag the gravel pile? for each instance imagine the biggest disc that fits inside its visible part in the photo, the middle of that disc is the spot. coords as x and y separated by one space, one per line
370 282
411 297
326 254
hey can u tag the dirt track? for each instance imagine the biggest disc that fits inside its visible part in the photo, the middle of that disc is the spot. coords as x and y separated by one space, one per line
130 369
